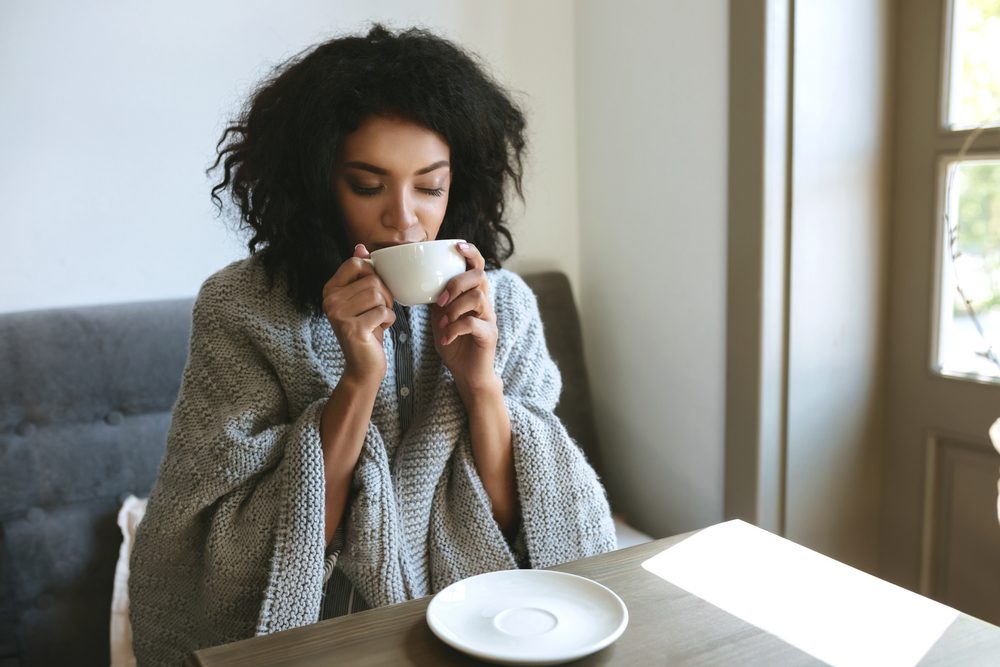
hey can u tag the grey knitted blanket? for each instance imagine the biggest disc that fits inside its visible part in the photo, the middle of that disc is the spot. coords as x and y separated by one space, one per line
232 543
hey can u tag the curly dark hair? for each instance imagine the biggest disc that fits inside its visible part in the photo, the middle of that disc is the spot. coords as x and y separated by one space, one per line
279 156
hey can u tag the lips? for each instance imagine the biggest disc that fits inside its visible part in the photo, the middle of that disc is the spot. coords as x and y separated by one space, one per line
389 244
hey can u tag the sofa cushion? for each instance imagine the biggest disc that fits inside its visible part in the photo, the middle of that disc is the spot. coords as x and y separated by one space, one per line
85 400
565 343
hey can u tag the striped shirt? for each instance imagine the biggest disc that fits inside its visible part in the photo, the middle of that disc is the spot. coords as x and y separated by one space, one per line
339 595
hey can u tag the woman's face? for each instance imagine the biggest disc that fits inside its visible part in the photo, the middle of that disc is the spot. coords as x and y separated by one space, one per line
392 182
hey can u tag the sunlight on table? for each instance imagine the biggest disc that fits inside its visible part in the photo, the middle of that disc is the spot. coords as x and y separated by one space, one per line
832 611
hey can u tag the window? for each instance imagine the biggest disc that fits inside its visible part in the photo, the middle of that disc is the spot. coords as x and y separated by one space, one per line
973 79
970 277
968 327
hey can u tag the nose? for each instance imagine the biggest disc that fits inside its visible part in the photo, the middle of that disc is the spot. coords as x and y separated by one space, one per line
400 212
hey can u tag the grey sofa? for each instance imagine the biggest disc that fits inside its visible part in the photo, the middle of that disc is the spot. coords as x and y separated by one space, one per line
85 399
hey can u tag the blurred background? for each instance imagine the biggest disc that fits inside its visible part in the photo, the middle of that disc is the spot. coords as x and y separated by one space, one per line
112 110
748 196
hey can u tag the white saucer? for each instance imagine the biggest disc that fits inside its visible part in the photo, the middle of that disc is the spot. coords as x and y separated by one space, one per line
527 617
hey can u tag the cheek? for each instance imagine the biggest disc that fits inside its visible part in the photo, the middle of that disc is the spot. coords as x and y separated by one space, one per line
357 218
433 215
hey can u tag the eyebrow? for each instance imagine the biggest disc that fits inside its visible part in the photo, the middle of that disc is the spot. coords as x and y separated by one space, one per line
364 166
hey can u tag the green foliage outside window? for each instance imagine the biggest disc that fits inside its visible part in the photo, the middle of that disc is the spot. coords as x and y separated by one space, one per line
978 95
976 102
979 229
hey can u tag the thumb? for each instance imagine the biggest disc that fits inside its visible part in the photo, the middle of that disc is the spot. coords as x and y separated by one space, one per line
361 251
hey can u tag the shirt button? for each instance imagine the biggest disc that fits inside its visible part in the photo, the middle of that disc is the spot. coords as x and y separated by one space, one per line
404 392
403 337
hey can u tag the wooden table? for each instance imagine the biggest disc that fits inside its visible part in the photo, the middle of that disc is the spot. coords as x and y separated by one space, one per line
667 626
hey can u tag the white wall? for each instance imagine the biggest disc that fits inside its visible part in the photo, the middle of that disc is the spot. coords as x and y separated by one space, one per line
837 306
652 83
111 111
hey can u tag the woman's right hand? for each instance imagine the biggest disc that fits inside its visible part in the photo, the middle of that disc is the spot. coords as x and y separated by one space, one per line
359 307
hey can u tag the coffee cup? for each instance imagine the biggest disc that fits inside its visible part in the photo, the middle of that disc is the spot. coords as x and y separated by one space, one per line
416 273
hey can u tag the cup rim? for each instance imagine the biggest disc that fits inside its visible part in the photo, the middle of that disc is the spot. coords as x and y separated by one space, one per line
417 243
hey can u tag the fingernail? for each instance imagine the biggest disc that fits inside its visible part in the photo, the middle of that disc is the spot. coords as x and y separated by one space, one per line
463 245
443 322
443 299
444 340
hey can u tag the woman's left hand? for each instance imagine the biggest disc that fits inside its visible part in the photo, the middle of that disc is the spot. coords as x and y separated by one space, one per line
465 328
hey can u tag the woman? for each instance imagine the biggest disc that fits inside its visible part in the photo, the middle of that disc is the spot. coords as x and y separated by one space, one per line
331 450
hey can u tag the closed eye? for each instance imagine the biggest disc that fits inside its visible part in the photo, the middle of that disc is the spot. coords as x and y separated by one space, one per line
434 192
366 192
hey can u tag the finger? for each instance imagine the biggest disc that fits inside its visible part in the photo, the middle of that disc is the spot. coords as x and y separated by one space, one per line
474 258
348 272
475 264
370 282
345 316
473 303
370 297
346 293
361 252
378 317
463 282
480 330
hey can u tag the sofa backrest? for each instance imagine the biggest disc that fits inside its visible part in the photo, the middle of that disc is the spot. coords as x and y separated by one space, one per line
565 342
85 400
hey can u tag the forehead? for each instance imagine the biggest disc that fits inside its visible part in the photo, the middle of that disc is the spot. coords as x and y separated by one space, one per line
394 142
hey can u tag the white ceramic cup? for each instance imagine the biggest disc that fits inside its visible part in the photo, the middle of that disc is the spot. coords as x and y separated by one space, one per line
417 273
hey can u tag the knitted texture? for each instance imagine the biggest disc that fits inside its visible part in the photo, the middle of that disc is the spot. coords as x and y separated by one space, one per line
232 543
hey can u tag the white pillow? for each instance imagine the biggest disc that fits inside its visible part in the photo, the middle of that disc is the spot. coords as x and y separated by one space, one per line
121 630
627 535
995 437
